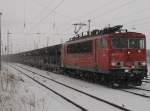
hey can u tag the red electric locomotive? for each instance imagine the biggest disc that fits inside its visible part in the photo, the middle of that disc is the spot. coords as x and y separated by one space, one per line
110 55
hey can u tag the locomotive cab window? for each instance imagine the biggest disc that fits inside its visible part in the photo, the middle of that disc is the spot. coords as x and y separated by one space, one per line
136 43
82 47
119 42
133 43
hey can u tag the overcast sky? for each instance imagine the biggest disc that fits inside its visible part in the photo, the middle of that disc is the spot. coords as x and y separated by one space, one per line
36 23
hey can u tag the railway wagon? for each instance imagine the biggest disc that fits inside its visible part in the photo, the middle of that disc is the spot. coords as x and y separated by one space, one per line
112 56
47 58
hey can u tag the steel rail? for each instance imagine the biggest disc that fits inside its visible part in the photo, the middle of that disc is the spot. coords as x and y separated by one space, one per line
92 96
68 100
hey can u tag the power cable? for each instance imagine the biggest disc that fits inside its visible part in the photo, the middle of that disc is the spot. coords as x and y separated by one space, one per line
64 15
38 3
114 9
45 8
140 19
128 15
99 7
139 24
90 12
108 11
58 5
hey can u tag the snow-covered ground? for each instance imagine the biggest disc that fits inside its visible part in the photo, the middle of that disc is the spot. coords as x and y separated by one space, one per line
55 103
32 97
85 101
147 85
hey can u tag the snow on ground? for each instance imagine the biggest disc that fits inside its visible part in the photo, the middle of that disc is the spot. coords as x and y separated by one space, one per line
85 101
8 92
55 103
32 97
121 98
81 99
144 84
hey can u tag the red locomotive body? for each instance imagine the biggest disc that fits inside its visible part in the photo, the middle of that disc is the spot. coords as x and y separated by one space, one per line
114 57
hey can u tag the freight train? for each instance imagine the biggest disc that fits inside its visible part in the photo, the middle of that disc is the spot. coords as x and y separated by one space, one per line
111 55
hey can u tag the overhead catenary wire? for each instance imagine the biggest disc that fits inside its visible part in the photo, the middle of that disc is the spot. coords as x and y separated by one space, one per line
139 19
111 10
91 12
116 17
38 3
71 35
112 2
67 18
44 9
140 24
114 9
64 15
39 14
99 7
72 18
57 6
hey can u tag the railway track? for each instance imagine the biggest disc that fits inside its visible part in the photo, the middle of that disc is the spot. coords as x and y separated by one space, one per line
134 93
89 95
128 91
146 81
68 100
138 88
131 92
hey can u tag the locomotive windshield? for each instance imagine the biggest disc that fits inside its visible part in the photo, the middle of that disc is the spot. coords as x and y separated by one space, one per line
119 42
136 43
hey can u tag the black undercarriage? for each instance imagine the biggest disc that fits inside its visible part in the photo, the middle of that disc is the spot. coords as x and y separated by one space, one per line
117 78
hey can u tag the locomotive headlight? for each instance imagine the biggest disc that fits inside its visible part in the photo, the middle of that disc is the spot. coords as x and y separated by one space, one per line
117 63
140 63
113 63
126 70
143 63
